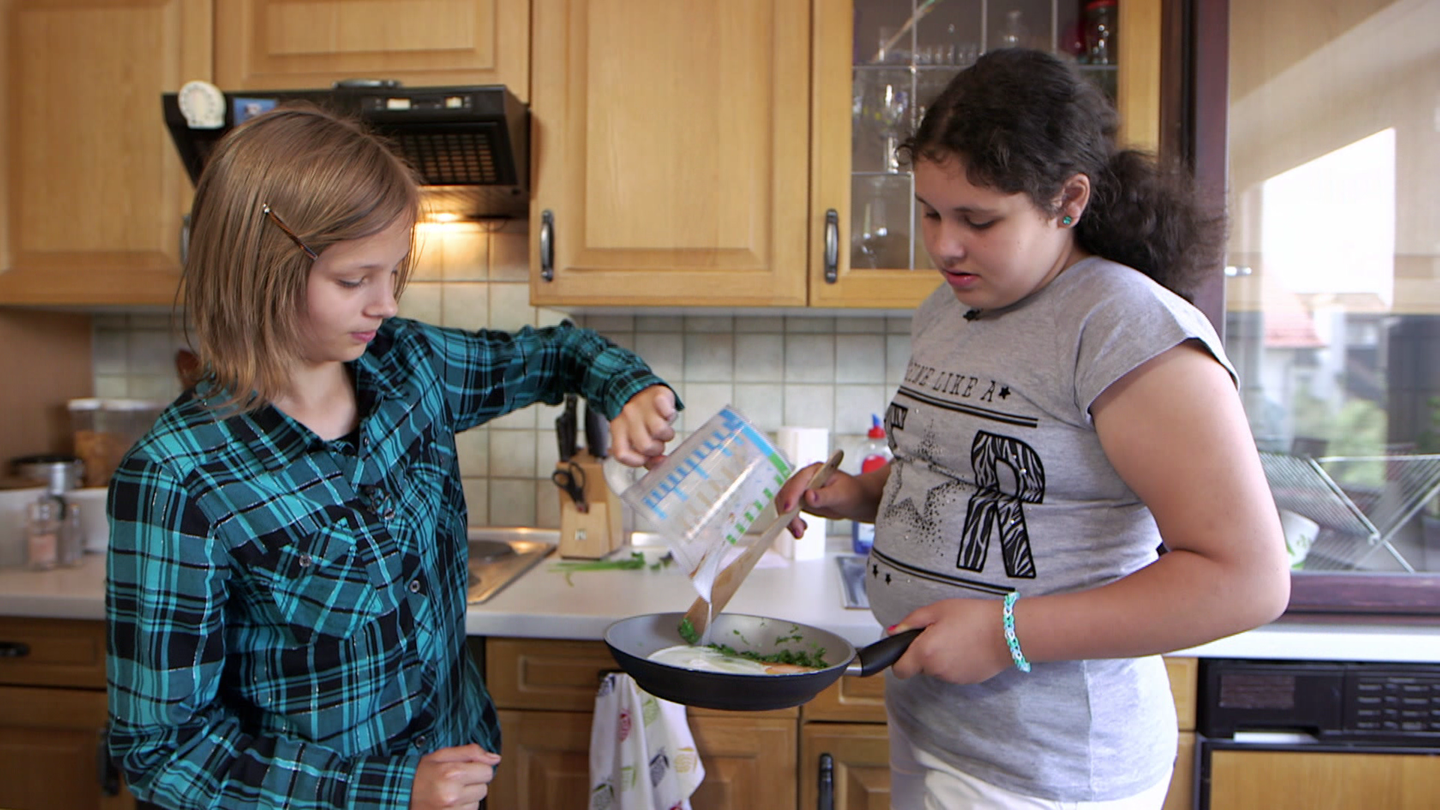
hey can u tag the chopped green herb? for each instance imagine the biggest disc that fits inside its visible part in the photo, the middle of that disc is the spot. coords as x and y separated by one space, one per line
815 660
687 631
634 561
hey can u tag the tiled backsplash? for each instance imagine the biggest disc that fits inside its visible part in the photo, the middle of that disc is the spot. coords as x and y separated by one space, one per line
804 371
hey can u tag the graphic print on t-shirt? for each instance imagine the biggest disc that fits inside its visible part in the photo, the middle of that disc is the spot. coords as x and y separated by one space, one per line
959 512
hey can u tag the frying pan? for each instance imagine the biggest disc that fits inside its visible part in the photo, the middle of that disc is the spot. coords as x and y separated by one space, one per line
632 641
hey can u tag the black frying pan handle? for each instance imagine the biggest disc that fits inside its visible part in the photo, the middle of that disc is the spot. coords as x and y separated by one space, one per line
881 654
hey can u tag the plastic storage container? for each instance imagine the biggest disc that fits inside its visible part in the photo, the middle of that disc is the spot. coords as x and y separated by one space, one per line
105 429
877 455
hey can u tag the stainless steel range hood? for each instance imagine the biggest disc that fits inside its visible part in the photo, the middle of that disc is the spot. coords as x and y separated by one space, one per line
470 145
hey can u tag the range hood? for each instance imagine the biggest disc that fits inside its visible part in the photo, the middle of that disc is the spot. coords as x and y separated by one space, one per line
470 145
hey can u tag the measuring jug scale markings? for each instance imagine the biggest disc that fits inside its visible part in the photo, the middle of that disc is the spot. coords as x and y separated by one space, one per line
709 493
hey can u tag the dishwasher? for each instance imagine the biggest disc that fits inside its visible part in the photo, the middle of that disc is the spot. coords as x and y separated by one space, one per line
1312 734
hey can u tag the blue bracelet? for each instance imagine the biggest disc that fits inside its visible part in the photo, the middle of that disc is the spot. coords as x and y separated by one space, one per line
1010 640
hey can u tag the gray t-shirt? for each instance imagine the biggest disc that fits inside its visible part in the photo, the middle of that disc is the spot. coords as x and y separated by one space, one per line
999 483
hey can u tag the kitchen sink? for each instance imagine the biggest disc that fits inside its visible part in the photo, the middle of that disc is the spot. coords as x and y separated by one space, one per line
498 556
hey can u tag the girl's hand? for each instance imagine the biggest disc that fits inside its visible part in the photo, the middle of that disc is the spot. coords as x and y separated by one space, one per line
638 435
453 778
963 642
839 498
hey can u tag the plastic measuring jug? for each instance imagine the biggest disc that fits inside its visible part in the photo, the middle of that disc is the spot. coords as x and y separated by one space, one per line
707 492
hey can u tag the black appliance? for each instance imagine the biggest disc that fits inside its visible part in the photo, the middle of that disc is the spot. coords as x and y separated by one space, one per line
469 144
1314 707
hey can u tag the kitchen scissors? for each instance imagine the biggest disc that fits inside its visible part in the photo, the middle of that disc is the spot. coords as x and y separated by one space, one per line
572 479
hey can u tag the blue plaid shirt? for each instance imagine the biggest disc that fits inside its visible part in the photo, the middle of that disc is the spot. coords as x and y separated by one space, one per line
287 614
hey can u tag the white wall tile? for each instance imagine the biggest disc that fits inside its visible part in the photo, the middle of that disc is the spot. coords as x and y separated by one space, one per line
510 257
510 306
608 325
897 357
809 358
522 419
512 501
659 323
709 357
762 403
870 326
472 448
810 406
151 352
664 352
465 306
113 387
859 358
702 401
429 263
467 254
422 301
807 324
854 405
477 500
110 351
760 323
759 357
547 504
709 323
512 453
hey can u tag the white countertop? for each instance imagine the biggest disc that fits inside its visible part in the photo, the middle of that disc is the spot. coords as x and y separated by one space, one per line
542 604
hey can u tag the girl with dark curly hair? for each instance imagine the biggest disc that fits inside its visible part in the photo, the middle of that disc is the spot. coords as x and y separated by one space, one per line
1066 407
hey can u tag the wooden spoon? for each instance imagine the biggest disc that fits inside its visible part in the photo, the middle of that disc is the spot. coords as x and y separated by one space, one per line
729 579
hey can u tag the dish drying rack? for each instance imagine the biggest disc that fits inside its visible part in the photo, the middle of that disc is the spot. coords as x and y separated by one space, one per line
1348 534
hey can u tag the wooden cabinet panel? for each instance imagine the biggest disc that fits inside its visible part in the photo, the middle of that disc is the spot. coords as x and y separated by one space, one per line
276 44
546 761
1182 783
671 143
57 653
49 741
1242 780
861 765
1184 681
749 761
850 699
93 193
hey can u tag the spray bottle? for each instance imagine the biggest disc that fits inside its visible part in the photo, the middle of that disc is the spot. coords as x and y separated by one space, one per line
877 455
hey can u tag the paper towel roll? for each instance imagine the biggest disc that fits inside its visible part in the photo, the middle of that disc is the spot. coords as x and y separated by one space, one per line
804 446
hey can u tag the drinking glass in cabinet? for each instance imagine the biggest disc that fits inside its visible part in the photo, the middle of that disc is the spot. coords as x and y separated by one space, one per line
881 118
880 221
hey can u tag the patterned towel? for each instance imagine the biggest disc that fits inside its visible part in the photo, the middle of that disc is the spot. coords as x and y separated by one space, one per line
642 756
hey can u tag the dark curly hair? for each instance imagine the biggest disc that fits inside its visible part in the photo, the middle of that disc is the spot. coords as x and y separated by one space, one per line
1024 121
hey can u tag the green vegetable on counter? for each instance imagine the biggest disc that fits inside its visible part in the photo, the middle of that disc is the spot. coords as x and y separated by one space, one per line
635 561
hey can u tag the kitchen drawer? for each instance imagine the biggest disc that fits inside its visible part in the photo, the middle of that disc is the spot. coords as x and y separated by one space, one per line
1184 677
52 652
849 700
555 675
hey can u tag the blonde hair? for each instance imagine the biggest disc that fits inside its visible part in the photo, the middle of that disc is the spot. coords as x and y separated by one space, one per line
245 280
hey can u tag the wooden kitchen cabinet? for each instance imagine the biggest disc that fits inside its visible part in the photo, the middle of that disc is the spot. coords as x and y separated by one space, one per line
704 157
671 152
91 193
274 44
53 715
545 692
1259 780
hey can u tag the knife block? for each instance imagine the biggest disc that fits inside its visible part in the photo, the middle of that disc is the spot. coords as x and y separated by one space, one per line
595 533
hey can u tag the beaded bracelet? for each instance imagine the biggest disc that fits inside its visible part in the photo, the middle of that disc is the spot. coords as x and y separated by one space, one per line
1010 640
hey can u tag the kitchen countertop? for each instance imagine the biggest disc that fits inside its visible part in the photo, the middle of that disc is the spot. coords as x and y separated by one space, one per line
543 604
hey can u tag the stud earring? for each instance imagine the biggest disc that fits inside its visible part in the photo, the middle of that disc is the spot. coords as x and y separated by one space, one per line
1066 220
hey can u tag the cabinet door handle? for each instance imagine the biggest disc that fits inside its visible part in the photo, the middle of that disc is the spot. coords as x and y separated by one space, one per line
14 649
547 246
832 246
827 783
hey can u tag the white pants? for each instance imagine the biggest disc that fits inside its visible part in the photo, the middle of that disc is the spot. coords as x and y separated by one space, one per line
920 781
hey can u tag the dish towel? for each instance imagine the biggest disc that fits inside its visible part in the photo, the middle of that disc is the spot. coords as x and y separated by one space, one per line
642 756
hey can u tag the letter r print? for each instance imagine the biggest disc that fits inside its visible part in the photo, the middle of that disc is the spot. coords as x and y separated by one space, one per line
1008 474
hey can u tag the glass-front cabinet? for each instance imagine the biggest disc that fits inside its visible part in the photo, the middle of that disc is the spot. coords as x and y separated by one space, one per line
898 56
